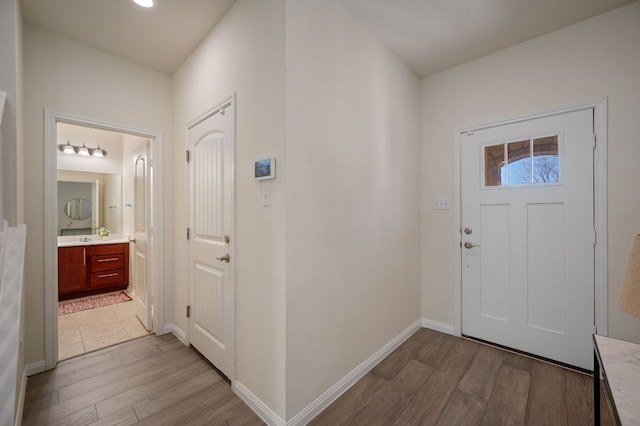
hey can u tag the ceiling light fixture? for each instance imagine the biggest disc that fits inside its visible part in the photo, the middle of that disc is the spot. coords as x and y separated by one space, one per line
144 3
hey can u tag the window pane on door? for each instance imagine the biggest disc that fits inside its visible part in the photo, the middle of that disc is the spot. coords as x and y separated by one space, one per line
494 165
519 166
546 167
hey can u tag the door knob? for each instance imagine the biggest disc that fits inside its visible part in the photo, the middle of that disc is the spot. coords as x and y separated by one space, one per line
226 258
469 245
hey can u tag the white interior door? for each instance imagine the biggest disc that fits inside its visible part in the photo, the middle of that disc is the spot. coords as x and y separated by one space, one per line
211 280
141 264
528 236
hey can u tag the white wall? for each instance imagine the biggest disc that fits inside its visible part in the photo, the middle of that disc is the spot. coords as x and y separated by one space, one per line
11 155
68 77
352 203
585 62
243 54
11 82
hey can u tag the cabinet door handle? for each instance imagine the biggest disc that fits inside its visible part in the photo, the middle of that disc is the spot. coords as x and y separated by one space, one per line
84 257
111 259
108 275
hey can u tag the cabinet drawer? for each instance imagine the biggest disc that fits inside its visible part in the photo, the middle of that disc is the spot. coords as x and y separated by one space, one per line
106 262
107 278
101 249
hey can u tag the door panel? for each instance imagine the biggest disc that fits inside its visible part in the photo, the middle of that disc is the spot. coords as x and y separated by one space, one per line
142 221
211 323
527 271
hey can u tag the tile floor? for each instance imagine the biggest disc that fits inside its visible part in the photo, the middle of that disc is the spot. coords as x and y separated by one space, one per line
98 328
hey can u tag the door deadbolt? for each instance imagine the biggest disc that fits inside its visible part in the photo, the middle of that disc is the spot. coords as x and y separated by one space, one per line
225 258
227 239
468 231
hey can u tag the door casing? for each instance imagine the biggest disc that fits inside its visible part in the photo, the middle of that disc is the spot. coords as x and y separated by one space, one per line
52 118
600 209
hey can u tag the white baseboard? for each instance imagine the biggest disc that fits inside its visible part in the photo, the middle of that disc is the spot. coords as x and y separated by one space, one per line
21 396
333 393
177 331
438 326
35 368
259 407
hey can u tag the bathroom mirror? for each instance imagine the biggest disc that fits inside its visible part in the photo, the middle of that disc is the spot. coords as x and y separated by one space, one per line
78 209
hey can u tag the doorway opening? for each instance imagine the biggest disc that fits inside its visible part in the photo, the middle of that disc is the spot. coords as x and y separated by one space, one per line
102 240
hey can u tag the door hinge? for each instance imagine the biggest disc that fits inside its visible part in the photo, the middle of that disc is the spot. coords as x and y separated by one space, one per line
188 311
595 140
188 156
595 237
188 233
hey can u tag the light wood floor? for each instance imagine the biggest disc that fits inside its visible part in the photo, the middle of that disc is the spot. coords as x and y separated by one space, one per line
432 378
437 379
153 380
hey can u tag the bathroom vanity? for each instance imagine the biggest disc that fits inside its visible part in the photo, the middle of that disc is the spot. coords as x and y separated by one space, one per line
89 265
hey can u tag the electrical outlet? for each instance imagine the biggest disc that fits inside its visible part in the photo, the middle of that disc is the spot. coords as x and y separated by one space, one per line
441 204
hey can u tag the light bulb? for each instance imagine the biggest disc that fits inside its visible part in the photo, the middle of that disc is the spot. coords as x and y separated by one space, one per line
83 150
98 152
68 149
144 3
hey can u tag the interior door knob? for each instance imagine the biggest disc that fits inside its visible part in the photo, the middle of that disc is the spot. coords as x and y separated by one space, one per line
225 258
469 245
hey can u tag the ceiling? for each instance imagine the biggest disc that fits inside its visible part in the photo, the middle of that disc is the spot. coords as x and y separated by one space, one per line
428 35
433 35
160 37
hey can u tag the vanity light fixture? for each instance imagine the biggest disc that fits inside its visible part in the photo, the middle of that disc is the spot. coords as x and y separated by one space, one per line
68 149
82 150
144 3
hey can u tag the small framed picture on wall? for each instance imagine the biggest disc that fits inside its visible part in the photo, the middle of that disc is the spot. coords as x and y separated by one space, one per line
265 169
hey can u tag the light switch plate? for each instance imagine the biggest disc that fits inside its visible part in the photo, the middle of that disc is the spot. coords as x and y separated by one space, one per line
441 204
266 197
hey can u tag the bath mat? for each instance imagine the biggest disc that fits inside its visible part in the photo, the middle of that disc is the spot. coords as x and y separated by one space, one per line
92 302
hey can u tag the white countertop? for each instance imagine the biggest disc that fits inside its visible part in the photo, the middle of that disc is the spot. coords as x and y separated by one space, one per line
621 365
91 240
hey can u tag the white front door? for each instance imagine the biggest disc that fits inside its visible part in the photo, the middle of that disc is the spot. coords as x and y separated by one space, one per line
211 213
142 228
528 236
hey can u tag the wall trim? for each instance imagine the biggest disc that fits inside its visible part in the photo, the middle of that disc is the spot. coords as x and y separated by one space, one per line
177 331
600 208
21 397
51 119
438 326
34 368
260 408
334 392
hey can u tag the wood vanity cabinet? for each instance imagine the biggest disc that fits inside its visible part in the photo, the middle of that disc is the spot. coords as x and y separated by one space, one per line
92 269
